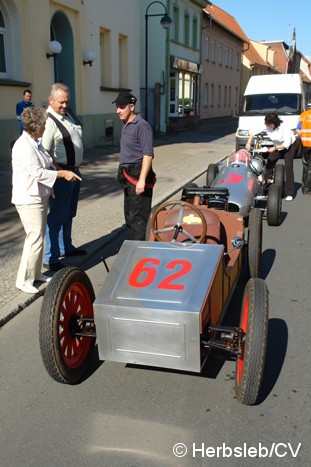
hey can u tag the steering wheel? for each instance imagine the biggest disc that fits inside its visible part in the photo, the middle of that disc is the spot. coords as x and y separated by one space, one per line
178 227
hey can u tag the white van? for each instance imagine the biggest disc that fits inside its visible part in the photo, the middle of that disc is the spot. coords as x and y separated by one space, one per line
269 93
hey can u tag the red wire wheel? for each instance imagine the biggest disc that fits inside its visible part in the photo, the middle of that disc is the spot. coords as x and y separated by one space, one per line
66 307
254 323
76 304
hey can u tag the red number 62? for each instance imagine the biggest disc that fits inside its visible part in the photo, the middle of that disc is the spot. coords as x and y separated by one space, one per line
151 273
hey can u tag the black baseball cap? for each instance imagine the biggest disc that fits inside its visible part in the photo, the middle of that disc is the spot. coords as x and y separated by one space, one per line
125 98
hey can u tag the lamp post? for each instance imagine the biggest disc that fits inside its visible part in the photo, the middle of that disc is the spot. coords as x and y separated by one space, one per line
165 23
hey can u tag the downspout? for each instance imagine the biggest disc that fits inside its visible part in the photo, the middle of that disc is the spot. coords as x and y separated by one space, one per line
201 57
241 75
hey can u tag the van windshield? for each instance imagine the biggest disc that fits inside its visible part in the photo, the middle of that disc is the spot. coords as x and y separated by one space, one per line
261 104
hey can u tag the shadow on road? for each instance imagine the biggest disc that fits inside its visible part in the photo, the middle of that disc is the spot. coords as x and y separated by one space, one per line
275 356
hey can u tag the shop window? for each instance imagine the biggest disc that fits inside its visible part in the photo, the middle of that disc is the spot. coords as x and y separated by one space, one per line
183 94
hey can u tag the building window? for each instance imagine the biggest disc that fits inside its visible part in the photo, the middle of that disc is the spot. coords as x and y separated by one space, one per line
230 58
219 54
187 29
195 33
226 57
236 97
225 96
205 101
206 49
175 28
212 95
219 96
238 61
123 63
3 69
213 51
229 102
105 57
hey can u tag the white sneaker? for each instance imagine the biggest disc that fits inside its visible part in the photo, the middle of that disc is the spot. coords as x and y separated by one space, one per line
28 288
289 198
44 278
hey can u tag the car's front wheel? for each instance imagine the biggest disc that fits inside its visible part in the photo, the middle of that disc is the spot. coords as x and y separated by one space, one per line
211 174
254 323
254 242
66 326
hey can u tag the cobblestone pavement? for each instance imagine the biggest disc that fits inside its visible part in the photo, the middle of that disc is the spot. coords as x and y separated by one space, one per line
179 159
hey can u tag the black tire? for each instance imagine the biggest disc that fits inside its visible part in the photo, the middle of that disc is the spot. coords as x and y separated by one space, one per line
254 322
274 205
278 176
65 356
211 174
254 242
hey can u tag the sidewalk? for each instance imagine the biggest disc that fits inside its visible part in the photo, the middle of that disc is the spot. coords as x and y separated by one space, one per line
179 159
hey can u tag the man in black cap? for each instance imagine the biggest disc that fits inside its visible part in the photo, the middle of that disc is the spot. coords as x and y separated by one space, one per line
135 171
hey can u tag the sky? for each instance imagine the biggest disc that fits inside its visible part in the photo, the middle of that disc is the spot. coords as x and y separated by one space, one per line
273 20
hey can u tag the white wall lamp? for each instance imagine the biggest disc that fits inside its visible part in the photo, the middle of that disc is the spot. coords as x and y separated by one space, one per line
54 48
89 56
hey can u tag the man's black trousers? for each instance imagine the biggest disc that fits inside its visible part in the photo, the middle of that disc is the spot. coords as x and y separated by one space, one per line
137 210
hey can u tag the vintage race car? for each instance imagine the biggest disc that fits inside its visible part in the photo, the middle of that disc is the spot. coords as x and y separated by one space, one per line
163 301
244 177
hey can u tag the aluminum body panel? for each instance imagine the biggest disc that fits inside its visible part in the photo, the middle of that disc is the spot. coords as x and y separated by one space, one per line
242 183
148 310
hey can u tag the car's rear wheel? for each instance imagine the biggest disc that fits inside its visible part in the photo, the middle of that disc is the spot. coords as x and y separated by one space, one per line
211 174
279 176
254 242
274 205
66 307
254 323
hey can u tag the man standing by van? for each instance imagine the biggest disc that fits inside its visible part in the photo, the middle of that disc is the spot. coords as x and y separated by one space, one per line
304 130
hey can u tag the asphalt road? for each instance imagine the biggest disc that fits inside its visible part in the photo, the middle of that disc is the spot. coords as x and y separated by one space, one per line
130 416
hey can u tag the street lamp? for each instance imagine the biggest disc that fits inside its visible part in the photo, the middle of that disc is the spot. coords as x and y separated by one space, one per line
54 48
165 23
90 56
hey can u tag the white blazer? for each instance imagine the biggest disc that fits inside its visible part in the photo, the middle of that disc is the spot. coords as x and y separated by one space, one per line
33 171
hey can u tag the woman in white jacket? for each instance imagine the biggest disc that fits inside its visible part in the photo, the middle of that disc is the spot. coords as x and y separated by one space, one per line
34 175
